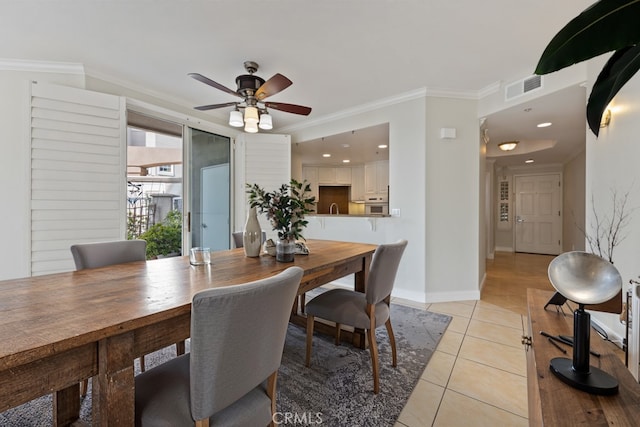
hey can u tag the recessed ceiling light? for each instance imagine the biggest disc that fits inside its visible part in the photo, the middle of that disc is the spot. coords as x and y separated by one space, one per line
529 161
544 125
346 161
346 145
326 155
382 146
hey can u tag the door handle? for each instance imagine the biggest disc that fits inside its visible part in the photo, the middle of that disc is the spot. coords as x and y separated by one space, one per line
519 219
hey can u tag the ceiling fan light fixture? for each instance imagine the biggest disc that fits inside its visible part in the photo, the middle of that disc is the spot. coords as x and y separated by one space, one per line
251 127
251 116
508 146
266 122
235 119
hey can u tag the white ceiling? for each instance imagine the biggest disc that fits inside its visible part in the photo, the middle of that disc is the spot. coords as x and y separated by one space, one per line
340 54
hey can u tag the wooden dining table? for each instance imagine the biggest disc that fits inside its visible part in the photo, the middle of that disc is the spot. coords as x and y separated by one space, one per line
58 329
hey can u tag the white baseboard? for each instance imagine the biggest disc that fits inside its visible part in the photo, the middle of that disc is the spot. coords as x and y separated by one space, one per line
613 336
452 296
504 249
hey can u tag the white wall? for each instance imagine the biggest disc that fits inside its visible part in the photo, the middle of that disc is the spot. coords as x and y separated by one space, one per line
15 163
612 164
573 203
453 211
435 184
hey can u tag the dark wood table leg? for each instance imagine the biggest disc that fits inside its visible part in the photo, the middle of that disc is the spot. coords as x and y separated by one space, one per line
66 405
113 387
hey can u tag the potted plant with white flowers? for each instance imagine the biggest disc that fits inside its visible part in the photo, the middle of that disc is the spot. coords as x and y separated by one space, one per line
285 209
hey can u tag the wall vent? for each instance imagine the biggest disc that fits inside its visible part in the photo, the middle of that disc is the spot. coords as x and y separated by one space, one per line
523 86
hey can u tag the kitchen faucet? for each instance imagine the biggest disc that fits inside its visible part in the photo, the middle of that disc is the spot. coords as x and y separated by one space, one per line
331 209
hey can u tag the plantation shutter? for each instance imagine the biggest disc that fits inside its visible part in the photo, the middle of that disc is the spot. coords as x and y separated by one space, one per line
78 172
264 159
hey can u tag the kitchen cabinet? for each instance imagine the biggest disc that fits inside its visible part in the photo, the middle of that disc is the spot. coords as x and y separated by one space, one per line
376 177
334 176
357 183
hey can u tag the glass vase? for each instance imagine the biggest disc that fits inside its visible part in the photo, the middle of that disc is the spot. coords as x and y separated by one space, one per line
285 250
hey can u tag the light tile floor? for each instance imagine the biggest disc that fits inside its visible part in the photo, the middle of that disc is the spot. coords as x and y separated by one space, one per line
477 375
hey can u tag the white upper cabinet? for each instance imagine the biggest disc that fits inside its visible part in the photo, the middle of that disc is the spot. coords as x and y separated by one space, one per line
357 183
376 177
334 176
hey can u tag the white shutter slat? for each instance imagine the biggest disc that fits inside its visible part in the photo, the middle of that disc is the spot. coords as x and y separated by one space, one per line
78 173
74 215
87 129
56 116
51 104
53 165
75 147
53 184
84 176
73 224
60 136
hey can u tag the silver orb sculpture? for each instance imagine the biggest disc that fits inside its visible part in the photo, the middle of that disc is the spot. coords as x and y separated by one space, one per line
583 278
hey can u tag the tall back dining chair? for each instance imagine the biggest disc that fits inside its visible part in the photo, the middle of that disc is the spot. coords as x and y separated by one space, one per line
102 254
229 377
238 238
367 310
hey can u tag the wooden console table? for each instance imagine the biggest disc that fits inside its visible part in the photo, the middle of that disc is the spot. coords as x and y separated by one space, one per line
554 403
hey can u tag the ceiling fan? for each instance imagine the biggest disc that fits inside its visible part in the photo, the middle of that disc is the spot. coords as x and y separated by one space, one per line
253 90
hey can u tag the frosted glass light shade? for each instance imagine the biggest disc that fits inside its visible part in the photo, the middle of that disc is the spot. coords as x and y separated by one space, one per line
251 127
235 119
251 115
265 121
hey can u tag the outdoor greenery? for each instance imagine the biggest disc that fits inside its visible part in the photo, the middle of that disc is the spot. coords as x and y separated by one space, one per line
164 238
607 25
285 207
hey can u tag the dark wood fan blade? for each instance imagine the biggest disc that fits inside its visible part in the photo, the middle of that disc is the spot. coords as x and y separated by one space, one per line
214 106
289 108
208 81
272 86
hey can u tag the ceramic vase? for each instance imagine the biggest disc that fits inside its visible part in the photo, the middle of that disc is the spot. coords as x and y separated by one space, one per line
285 250
252 235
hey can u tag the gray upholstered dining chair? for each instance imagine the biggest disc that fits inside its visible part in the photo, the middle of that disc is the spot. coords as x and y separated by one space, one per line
367 310
229 377
239 242
102 254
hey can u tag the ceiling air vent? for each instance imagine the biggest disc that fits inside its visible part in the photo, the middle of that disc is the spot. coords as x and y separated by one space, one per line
521 87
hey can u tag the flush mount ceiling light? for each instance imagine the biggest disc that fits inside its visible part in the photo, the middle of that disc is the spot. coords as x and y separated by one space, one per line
508 145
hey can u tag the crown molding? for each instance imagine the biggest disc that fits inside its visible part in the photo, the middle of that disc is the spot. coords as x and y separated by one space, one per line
7 64
364 108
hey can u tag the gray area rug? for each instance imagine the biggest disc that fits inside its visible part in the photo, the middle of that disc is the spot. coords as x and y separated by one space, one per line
337 390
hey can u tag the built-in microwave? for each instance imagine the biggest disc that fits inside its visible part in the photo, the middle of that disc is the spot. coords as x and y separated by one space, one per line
376 209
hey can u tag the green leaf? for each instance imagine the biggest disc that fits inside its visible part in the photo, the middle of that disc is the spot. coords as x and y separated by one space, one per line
605 26
622 65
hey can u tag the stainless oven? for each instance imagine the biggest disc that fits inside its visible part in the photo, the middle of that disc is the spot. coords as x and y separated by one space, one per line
376 209
376 205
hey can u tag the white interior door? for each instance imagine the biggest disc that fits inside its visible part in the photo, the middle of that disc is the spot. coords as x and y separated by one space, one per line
538 214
